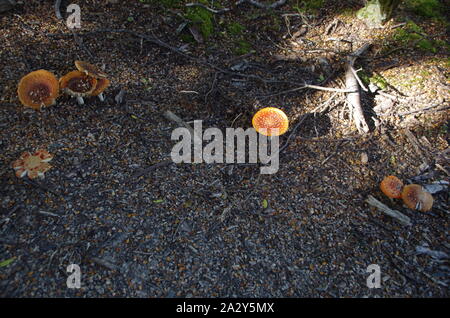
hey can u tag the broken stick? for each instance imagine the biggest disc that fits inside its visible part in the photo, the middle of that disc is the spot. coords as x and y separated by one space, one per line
386 210
354 98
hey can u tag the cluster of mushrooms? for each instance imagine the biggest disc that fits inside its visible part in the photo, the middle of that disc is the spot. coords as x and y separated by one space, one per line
41 88
413 195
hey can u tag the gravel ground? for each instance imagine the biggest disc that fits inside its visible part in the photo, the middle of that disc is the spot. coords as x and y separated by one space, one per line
203 230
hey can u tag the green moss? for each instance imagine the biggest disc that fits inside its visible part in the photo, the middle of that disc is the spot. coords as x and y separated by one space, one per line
375 79
426 8
412 34
426 45
187 37
242 47
235 28
379 81
202 18
308 6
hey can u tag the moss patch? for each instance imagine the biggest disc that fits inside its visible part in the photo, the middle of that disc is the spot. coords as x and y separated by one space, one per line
375 79
425 8
235 28
242 47
412 34
202 18
308 6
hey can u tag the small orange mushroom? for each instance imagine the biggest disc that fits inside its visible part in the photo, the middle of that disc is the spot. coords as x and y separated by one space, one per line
102 84
417 198
78 84
37 89
270 121
34 165
94 71
90 69
392 187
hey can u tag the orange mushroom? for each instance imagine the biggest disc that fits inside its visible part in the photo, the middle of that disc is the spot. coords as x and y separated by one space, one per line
90 69
102 84
392 187
94 71
416 198
270 121
37 89
34 165
78 84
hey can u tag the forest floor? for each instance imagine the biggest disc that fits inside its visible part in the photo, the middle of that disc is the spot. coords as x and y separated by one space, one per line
223 230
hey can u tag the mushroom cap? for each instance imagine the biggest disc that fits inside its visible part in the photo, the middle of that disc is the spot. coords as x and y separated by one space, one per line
90 69
102 84
416 198
392 187
427 201
268 119
38 88
34 165
78 84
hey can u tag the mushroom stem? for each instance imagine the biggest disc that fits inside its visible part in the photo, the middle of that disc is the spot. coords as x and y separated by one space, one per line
101 97
80 100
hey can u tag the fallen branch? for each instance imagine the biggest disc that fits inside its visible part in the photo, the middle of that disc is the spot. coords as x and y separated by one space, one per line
49 213
386 210
305 86
354 98
57 9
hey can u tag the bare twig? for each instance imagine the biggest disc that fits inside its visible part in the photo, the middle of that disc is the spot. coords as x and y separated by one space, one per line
358 79
207 8
305 86
386 210
49 213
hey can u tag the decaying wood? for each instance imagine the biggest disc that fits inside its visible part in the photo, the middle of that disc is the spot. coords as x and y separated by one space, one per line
354 97
388 211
